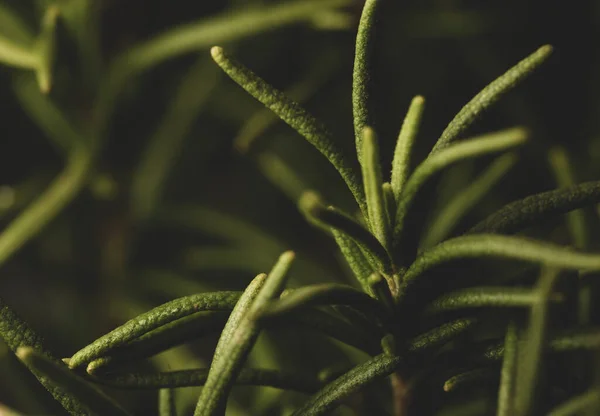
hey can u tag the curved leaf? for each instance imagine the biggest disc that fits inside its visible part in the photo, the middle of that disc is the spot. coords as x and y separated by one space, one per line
483 145
359 377
496 246
404 145
489 95
466 199
59 375
297 118
161 315
536 208
239 336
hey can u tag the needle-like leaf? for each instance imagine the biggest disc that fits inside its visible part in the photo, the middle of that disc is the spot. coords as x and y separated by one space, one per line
508 373
373 182
59 375
404 145
46 49
16 333
155 318
537 208
496 246
489 143
239 336
166 402
489 95
466 199
530 356
578 404
324 294
333 218
359 377
297 117
361 76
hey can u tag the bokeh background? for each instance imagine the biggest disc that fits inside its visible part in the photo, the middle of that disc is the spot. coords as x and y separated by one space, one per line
217 215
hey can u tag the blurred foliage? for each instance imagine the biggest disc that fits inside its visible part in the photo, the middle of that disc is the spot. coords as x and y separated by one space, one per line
176 168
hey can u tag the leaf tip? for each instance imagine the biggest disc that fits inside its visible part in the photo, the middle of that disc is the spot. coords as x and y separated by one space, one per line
418 100
217 53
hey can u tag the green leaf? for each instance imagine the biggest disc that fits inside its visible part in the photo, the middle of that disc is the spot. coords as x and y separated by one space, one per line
441 335
197 377
486 296
468 377
330 217
355 258
361 76
16 333
489 95
404 145
496 246
381 290
12 54
46 49
508 374
155 318
276 170
359 377
166 402
483 145
239 336
48 205
578 404
465 200
537 208
373 182
162 338
324 294
226 27
158 158
297 118
565 177
48 117
530 357
59 375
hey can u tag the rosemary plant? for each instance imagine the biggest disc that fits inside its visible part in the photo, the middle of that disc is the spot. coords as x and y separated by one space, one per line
428 314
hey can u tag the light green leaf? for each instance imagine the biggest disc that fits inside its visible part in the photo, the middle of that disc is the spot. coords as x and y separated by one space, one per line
155 318
239 335
489 95
483 145
166 402
361 76
466 199
497 246
508 374
46 49
297 118
404 145
48 205
159 156
330 217
373 182
578 404
530 356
